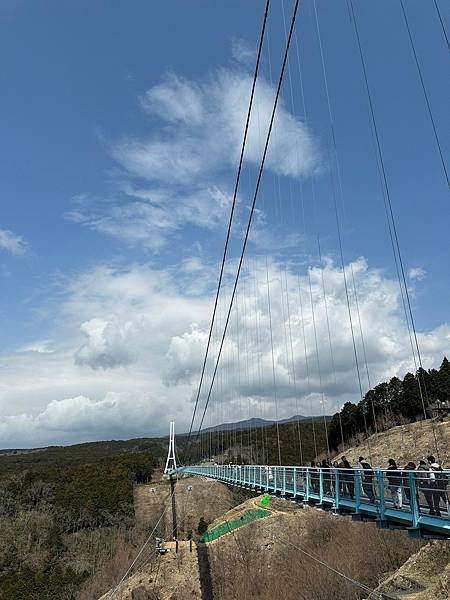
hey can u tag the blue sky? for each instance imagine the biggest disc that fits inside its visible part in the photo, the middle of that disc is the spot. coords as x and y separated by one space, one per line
119 142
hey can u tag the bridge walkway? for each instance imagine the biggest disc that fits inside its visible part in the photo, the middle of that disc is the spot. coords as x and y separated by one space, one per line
365 496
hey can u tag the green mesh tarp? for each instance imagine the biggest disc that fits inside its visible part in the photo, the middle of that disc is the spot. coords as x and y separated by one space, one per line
250 515
265 501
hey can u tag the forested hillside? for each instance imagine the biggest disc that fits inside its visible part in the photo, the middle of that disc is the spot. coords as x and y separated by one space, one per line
64 511
393 402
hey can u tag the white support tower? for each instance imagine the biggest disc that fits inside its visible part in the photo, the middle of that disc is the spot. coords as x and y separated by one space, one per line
171 462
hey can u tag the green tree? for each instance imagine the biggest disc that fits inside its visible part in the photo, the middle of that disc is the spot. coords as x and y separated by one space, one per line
412 399
396 395
444 381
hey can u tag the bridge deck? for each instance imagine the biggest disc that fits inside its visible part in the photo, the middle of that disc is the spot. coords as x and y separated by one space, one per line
412 504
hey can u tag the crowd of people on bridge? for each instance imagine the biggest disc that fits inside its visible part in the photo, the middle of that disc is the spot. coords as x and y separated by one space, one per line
428 478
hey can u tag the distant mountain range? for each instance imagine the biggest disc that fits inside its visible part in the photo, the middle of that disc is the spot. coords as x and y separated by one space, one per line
255 423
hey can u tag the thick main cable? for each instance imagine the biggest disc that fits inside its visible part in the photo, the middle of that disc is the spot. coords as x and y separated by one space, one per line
442 23
425 93
233 206
391 213
252 210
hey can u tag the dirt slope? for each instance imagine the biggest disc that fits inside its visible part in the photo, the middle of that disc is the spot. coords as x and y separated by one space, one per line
424 576
404 443
194 498
172 576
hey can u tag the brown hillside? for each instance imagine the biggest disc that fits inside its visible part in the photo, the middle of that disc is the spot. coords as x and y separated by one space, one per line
195 497
404 443
424 576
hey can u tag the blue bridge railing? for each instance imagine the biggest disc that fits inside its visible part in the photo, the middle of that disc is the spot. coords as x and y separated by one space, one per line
416 500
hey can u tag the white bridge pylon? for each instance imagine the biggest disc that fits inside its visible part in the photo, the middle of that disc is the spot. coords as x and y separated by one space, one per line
171 462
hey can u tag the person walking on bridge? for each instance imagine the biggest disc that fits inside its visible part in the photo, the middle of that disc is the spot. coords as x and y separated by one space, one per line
439 482
405 477
314 477
367 478
423 479
347 477
394 483
326 477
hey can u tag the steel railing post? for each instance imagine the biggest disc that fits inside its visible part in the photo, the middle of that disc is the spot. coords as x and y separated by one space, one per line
414 499
321 485
295 482
381 491
357 482
336 489
307 483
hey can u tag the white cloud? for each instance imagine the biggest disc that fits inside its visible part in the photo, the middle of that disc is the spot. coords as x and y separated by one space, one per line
108 344
417 274
40 346
249 339
181 175
82 418
12 243
136 361
151 220
242 52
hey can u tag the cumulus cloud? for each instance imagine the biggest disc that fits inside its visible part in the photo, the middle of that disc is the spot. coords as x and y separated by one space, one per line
128 348
12 243
108 345
303 375
183 356
83 419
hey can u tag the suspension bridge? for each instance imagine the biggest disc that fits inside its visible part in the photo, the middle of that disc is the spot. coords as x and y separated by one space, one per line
362 494
285 325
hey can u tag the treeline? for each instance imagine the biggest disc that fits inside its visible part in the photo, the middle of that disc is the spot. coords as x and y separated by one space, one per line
41 459
392 403
299 443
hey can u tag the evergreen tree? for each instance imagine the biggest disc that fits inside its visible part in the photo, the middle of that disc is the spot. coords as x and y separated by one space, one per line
395 395
444 381
393 399
412 400
433 385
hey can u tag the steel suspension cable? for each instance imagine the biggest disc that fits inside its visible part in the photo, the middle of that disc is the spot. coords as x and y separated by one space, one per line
291 89
308 378
294 376
336 213
304 233
143 547
333 366
318 364
273 364
252 210
427 100
361 332
233 206
391 212
442 23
